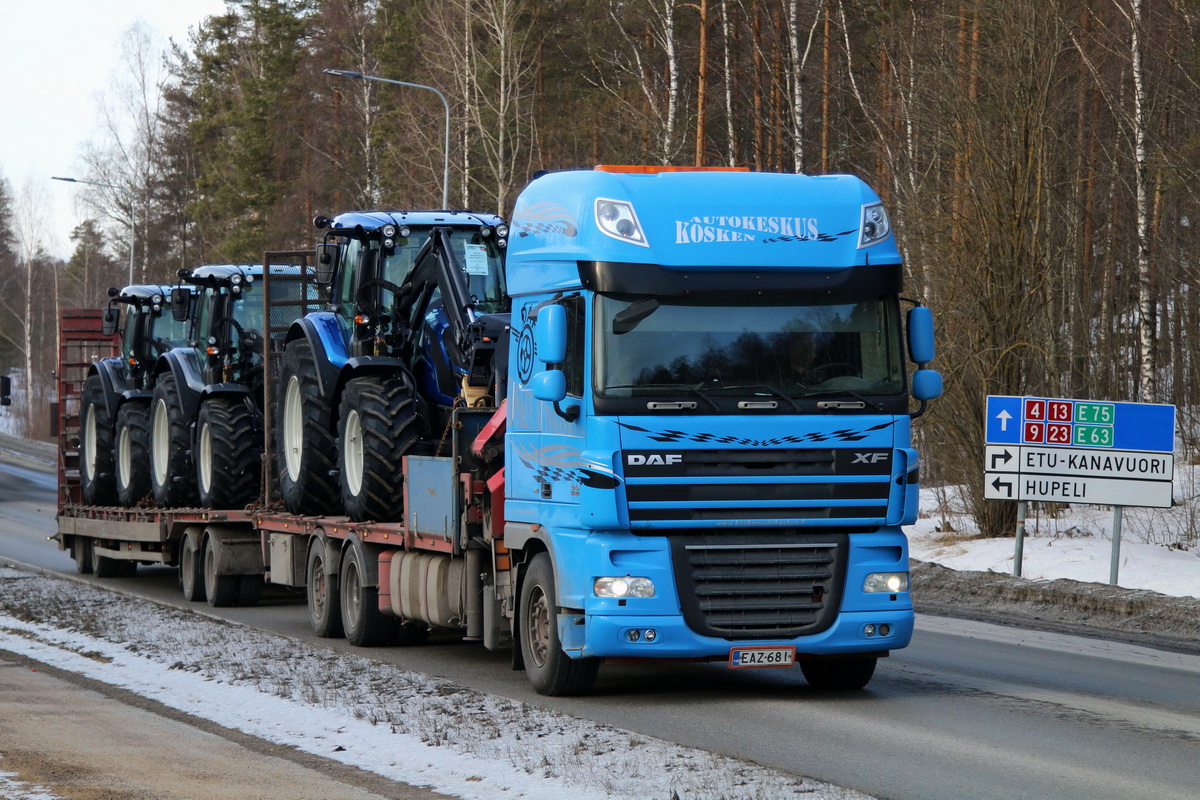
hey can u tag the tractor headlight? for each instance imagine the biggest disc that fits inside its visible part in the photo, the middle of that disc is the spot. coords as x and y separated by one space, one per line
623 587
887 582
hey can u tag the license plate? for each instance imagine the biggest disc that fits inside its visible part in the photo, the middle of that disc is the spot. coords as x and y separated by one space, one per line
761 657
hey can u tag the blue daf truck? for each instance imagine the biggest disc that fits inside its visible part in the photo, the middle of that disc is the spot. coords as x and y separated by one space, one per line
659 414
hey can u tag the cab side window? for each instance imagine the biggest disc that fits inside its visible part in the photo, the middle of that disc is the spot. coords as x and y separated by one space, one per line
573 366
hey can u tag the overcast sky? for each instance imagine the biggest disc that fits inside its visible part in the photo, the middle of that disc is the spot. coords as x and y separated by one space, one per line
59 57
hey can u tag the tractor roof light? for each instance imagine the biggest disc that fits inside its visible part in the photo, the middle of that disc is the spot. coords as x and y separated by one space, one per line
616 218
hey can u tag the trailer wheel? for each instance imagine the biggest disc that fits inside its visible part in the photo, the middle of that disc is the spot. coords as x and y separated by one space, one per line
378 425
191 578
133 453
107 567
249 587
364 623
96 446
81 551
324 606
229 454
550 670
171 468
838 674
305 443
221 590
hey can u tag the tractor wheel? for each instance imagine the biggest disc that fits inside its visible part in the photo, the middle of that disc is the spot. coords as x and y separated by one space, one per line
378 425
305 436
96 446
171 470
133 453
228 453
550 670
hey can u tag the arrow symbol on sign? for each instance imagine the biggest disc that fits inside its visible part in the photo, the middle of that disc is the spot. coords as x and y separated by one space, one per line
1004 417
996 484
1003 456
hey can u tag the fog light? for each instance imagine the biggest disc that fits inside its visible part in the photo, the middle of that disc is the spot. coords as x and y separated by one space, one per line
634 634
885 629
651 634
623 587
888 582
869 630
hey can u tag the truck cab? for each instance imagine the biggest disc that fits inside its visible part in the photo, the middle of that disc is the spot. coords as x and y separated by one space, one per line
708 447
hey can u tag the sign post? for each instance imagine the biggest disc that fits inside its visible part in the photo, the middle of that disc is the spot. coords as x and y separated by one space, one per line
1079 451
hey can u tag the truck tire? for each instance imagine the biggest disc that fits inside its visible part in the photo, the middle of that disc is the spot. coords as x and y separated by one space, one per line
228 453
191 576
305 443
377 425
838 674
96 476
550 670
133 453
171 470
324 605
219 590
107 567
364 623
81 551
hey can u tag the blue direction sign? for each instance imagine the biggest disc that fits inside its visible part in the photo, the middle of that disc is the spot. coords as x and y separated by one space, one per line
1056 422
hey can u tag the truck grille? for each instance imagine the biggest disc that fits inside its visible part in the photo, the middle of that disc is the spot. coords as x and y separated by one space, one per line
810 484
759 587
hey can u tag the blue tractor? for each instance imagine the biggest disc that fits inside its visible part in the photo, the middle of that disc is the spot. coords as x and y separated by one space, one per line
418 307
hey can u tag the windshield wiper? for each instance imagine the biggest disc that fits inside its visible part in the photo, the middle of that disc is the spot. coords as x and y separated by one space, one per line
835 392
683 386
763 387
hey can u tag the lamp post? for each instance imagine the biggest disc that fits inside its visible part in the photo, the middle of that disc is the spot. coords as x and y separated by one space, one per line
345 73
132 211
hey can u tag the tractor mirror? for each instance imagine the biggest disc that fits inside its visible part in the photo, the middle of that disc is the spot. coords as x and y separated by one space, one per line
5 390
181 303
108 323
326 262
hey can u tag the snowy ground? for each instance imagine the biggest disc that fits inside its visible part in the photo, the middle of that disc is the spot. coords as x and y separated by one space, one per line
1160 548
404 726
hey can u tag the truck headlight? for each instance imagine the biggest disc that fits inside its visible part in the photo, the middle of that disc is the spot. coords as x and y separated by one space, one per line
623 587
875 225
888 582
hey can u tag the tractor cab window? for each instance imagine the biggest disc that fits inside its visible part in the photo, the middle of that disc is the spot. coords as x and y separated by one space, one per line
129 333
479 258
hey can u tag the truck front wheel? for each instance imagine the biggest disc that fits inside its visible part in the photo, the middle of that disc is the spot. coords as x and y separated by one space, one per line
838 674
133 453
96 447
229 461
305 442
550 670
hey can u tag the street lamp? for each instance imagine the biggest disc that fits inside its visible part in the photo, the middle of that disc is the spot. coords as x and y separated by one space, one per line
345 73
132 211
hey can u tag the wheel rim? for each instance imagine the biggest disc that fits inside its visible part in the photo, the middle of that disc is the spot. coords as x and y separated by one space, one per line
352 448
538 627
124 458
187 564
160 442
206 458
293 429
320 590
350 594
89 442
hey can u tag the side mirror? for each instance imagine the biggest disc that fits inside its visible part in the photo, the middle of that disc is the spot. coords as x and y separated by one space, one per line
920 335
326 262
926 384
108 323
550 385
181 304
550 335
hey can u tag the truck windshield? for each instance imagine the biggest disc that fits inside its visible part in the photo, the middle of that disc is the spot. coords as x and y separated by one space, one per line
651 347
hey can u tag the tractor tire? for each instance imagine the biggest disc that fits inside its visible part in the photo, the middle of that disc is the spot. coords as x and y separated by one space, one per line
171 470
305 440
550 670
378 424
228 453
98 481
133 453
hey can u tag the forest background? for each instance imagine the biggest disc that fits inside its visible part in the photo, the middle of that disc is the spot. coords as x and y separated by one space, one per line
1038 158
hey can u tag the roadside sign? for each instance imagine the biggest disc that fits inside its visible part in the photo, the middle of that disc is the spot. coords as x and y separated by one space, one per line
1079 451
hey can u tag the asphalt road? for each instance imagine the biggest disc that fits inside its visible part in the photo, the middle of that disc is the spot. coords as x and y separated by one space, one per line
968 710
